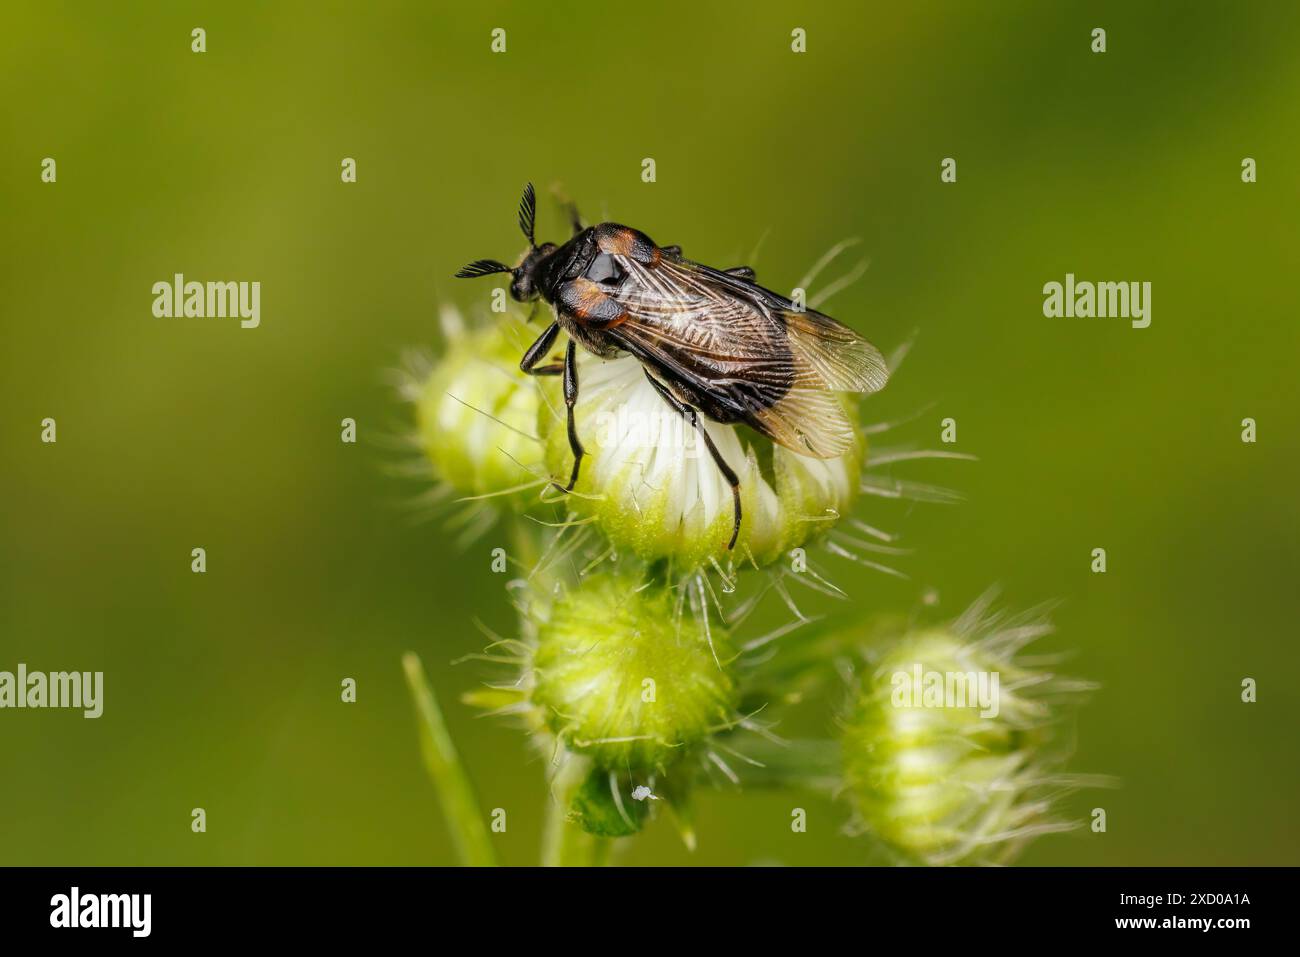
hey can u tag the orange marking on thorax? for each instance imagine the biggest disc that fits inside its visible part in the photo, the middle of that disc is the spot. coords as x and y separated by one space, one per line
590 298
619 243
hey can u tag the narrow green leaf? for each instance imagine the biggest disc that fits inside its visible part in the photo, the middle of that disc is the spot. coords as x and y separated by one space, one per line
460 807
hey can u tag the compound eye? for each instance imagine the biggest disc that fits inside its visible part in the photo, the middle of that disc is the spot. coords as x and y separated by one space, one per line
605 270
521 289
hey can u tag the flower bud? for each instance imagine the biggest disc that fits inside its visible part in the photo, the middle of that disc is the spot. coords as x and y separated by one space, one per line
946 748
477 413
651 485
619 677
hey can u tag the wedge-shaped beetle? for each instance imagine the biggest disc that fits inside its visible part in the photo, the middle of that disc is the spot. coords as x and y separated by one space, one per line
712 342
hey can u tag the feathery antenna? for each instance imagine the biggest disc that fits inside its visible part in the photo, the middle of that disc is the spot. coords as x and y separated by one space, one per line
528 213
482 267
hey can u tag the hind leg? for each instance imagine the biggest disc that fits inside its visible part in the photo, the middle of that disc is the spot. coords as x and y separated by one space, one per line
693 418
570 400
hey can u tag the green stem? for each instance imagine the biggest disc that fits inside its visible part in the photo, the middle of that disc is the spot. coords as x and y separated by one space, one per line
564 844
459 805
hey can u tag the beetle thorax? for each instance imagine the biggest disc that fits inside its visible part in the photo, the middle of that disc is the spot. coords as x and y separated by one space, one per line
595 341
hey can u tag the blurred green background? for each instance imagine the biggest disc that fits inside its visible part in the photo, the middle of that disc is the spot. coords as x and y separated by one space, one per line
222 690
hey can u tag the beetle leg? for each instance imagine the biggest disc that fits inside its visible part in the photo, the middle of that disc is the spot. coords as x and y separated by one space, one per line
692 418
538 350
570 400
741 272
571 209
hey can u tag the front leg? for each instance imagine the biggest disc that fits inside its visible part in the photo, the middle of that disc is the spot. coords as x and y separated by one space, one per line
528 365
538 350
570 400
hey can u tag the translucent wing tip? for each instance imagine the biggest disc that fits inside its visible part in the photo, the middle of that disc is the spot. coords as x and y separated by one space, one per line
839 357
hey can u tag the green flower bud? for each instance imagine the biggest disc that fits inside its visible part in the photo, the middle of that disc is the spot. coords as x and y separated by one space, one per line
651 486
477 413
620 678
946 749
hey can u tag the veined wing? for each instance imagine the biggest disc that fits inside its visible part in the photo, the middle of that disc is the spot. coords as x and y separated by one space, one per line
750 348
